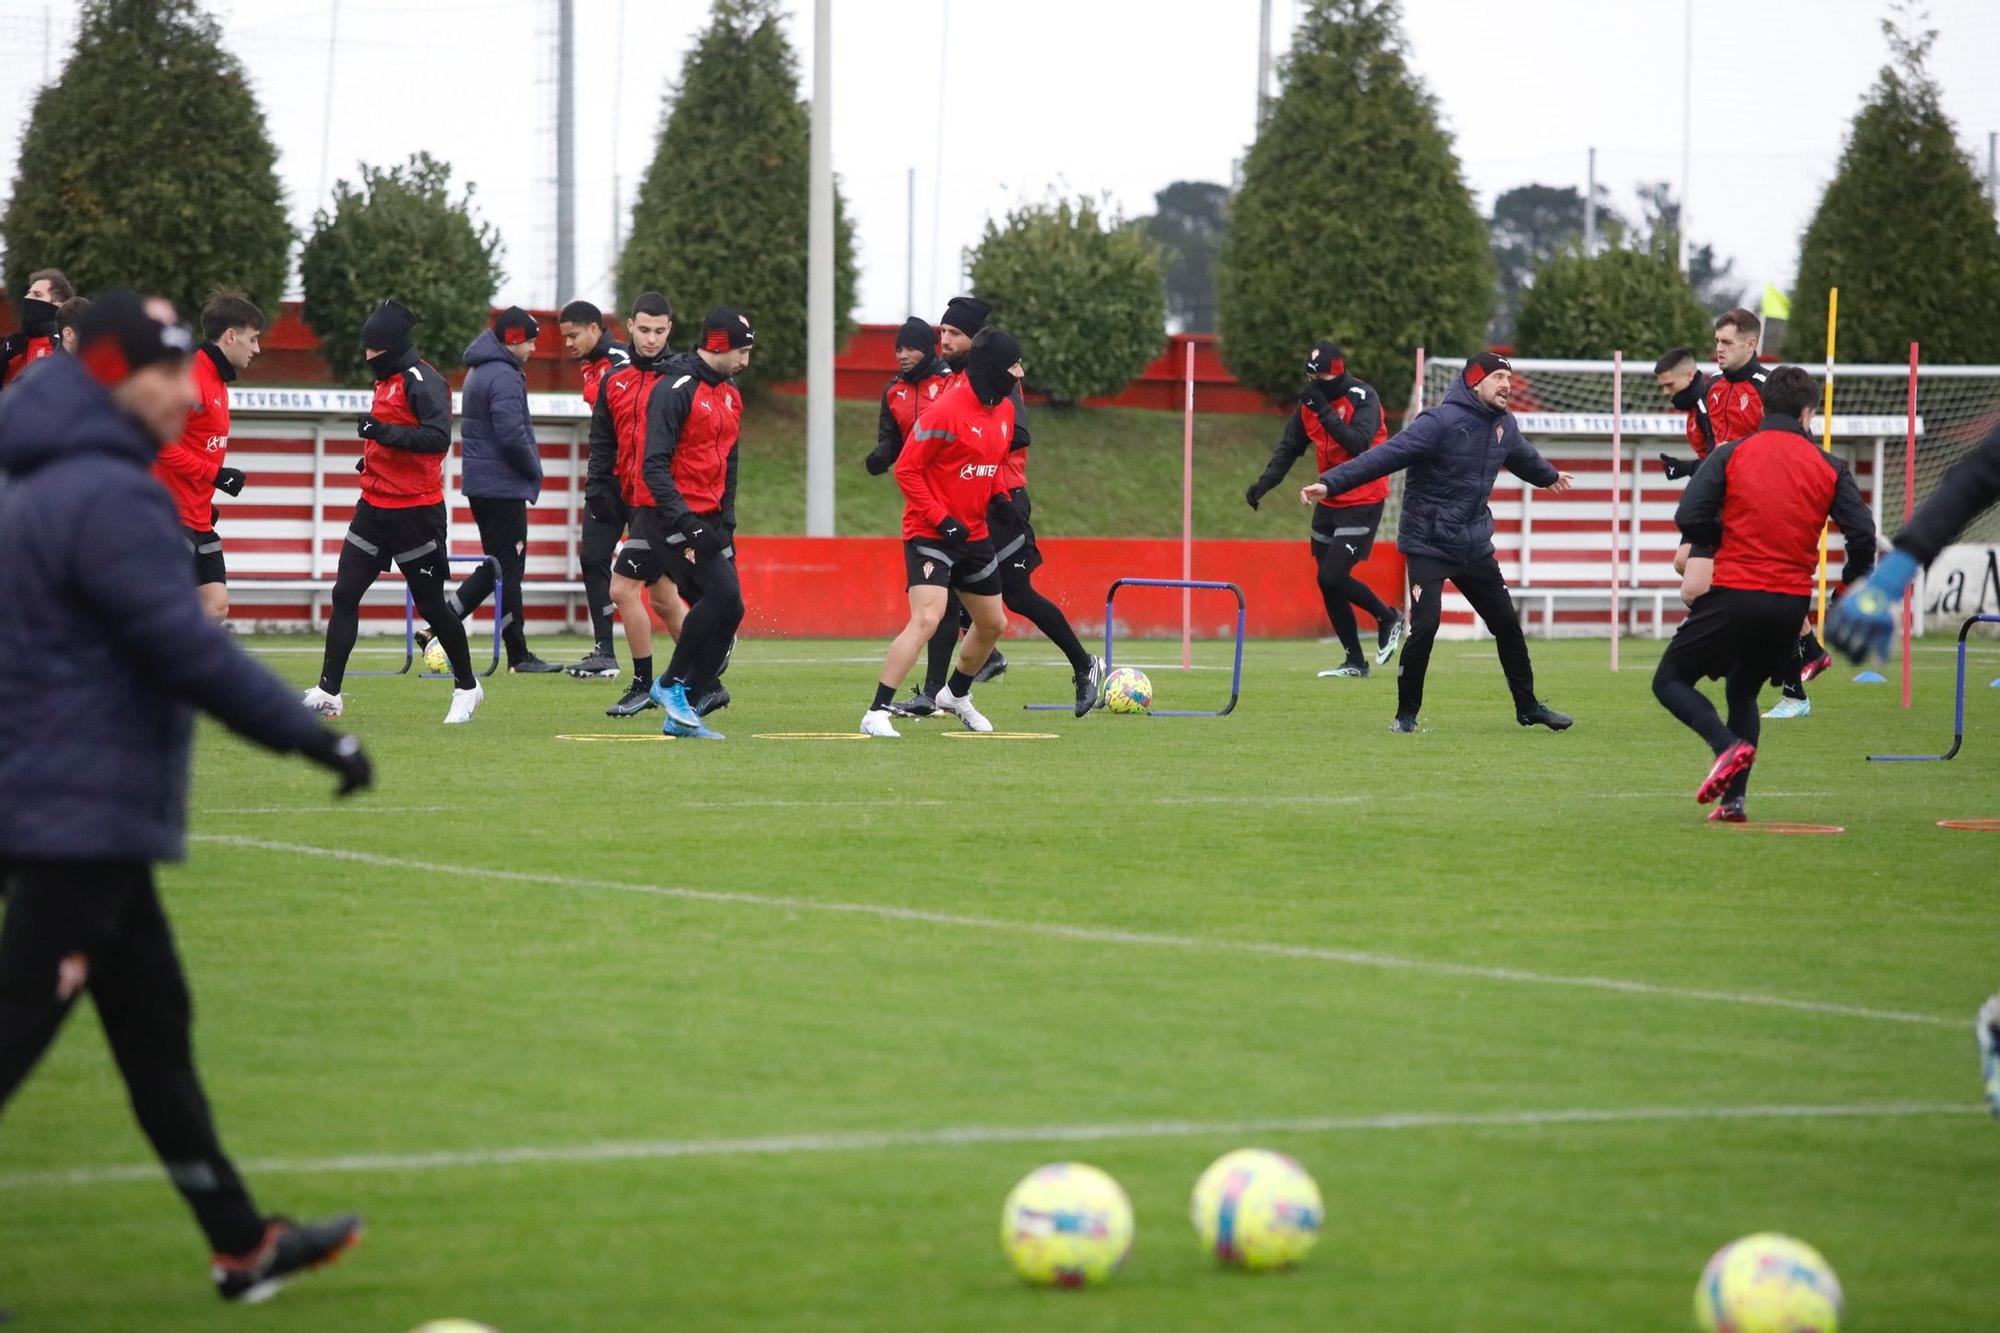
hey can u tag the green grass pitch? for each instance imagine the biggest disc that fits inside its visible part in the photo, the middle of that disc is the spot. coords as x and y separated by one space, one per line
758 1035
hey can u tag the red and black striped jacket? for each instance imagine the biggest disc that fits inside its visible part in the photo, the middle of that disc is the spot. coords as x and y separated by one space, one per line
1760 503
692 420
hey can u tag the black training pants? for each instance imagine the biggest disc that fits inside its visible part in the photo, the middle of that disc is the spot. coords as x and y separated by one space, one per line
1740 637
604 519
1342 537
1014 542
413 540
503 535
1480 582
73 926
709 585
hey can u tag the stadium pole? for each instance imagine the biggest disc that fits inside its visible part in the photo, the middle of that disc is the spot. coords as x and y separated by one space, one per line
1187 517
1909 508
1826 444
565 152
819 284
1617 468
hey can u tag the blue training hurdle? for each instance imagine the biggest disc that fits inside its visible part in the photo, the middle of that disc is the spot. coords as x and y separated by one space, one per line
1110 633
410 623
1958 706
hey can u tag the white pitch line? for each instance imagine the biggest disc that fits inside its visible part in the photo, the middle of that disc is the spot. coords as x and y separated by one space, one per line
968 1136
325 810
1099 934
756 803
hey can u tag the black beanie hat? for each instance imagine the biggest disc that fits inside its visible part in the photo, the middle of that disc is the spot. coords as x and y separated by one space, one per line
989 365
1479 367
967 314
1326 358
122 332
387 328
516 325
915 333
726 329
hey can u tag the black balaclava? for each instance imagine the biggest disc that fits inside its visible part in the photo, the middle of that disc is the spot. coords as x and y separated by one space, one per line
387 330
1690 394
38 318
989 365
919 336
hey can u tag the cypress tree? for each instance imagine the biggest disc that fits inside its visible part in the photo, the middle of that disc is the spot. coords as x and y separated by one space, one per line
1628 300
1904 230
1354 221
1086 300
721 217
399 234
146 164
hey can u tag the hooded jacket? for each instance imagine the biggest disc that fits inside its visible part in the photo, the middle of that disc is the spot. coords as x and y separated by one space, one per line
1453 452
501 460
95 579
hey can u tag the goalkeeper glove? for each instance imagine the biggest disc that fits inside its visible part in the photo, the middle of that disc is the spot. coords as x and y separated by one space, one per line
1860 623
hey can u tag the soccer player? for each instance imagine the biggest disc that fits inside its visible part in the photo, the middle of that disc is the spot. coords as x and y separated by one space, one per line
400 515
1760 504
1453 452
1013 532
36 338
502 476
1339 417
195 466
692 421
1686 386
94 762
920 377
597 353
1860 624
68 315
618 451
951 477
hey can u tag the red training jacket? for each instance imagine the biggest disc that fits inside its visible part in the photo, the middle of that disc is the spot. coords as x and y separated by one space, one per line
607 356
1761 503
1351 424
187 467
618 425
1735 402
692 420
404 467
952 466
21 350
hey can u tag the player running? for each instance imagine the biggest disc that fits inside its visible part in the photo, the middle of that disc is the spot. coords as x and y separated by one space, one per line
195 466
400 516
1339 417
598 354
1860 624
1760 504
951 475
920 377
1453 452
618 453
692 421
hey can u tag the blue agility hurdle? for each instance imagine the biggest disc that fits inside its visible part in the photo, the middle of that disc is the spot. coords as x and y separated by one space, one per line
410 623
1958 706
1110 633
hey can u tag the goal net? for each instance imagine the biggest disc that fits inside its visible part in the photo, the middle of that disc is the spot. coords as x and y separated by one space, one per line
1564 553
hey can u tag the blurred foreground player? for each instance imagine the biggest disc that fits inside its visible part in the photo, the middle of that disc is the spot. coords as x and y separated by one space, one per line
94 761
1759 504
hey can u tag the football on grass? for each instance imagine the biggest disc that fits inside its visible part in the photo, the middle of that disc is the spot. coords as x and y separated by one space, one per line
1066 1225
1767 1283
1257 1210
434 659
1126 690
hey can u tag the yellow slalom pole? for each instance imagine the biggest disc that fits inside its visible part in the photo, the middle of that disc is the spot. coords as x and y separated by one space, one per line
1826 443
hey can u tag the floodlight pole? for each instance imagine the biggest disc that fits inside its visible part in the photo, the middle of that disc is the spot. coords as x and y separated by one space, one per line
1263 60
819 284
1687 131
565 151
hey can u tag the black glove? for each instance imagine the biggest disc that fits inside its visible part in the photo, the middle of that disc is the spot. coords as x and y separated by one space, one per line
1253 494
343 756
229 480
368 428
1313 399
707 536
954 533
878 462
1676 468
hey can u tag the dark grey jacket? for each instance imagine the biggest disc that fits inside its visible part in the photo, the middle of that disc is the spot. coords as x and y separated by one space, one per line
105 653
1453 451
501 461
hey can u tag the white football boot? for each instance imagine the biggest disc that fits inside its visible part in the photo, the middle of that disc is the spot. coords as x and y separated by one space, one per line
875 722
463 702
319 701
963 710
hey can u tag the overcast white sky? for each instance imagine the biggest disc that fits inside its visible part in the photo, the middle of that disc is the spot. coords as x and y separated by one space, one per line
1015 98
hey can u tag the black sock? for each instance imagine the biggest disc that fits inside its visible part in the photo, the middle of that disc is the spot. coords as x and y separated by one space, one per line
642 670
884 695
602 648
1810 648
960 684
